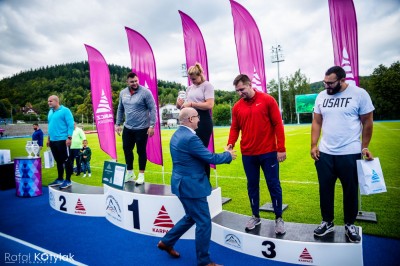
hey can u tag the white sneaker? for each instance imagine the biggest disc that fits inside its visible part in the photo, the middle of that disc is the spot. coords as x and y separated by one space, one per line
90 175
140 179
84 175
129 176
280 226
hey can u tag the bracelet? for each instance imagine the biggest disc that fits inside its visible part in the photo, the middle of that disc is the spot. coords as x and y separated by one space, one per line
364 149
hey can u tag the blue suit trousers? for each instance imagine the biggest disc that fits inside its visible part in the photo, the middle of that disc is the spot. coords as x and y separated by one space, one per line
197 212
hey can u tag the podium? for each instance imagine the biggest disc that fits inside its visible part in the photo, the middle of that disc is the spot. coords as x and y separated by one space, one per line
28 176
152 209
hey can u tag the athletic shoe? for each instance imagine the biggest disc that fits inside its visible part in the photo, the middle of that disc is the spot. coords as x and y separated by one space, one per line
56 182
251 224
324 228
280 226
90 174
129 176
65 184
352 233
84 175
140 179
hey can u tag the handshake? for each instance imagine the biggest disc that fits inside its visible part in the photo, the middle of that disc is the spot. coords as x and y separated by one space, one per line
229 149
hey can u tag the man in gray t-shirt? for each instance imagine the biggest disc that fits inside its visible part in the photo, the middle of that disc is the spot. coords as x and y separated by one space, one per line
137 104
343 112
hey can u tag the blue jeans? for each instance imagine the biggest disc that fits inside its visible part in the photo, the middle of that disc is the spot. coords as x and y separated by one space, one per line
270 166
86 167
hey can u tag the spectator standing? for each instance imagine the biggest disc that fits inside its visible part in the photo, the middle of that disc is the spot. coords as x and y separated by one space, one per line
38 136
78 136
86 154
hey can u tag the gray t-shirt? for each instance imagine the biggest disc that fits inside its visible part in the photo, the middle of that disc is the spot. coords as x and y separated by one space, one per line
341 124
200 93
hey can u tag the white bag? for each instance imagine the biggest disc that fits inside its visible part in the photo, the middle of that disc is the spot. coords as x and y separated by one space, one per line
48 159
370 177
5 156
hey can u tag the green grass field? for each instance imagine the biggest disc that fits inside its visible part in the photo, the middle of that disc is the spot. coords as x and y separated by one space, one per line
297 174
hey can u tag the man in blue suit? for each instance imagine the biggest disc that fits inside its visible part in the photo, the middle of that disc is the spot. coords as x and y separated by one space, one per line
189 182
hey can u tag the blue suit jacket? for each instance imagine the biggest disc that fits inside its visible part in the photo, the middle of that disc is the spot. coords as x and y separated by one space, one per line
189 179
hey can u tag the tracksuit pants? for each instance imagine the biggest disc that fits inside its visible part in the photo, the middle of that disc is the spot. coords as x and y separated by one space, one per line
130 138
329 169
64 159
270 166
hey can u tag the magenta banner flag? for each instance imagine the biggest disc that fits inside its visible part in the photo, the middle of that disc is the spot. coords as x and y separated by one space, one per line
195 50
249 47
143 64
103 111
345 37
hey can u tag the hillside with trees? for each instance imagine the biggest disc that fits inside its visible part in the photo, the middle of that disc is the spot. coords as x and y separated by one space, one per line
71 82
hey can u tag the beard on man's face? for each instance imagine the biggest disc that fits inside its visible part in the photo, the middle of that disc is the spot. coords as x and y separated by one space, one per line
334 90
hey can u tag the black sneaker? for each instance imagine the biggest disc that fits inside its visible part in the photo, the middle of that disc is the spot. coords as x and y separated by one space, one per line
324 228
352 233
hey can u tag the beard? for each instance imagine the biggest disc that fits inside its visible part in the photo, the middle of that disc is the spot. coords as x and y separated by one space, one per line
334 90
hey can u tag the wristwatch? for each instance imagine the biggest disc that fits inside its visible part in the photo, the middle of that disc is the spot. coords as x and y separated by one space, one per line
151 126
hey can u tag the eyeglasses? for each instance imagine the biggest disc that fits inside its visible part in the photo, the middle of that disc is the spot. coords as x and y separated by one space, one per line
240 90
198 116
329 84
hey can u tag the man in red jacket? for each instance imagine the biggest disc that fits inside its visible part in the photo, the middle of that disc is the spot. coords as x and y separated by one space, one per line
258 117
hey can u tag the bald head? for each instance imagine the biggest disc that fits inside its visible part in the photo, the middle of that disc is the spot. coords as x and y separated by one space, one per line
189 117
53 102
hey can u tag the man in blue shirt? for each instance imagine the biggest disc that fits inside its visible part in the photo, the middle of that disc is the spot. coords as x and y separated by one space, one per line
37 136
61 127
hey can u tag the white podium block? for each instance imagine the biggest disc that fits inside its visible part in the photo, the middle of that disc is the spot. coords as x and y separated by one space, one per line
154 211
297 246
78 199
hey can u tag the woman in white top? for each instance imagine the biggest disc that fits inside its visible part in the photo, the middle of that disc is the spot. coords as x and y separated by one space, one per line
200 96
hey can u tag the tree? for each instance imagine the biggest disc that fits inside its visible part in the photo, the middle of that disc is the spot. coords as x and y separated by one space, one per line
297 84
8 107
222 115
290 87
384 87
3 110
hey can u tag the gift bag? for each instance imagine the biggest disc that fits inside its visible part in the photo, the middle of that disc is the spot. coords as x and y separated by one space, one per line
370 177
5 156
48 159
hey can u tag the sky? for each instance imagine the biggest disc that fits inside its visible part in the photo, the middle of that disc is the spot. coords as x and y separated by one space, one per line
39 33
